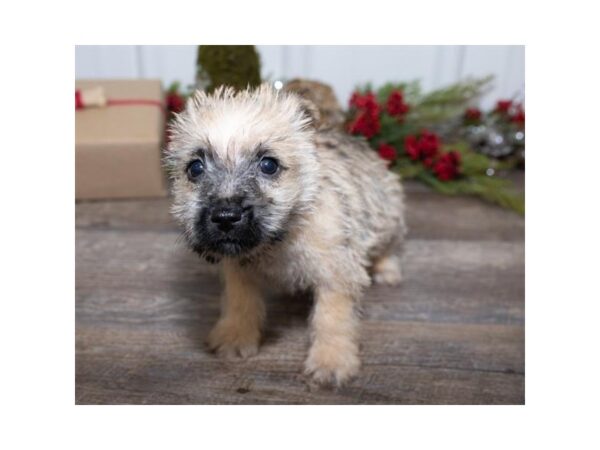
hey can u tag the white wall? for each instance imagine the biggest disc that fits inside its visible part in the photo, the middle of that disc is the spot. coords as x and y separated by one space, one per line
341 66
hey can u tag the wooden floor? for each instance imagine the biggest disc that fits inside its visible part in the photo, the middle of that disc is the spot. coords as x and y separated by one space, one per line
452 333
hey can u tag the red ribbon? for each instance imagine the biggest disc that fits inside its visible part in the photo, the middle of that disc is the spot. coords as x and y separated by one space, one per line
131 101
78 101
79 104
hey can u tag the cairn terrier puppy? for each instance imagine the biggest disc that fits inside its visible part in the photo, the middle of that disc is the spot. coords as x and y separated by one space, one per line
280 204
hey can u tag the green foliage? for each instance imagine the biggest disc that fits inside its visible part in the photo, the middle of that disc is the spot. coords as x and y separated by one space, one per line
457 94
174 88
472 163
408 169
427 111
411 90
472 181
493 189
392 133
444 104
237 66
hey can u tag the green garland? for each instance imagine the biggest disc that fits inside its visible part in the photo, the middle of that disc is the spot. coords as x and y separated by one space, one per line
474 180
431 111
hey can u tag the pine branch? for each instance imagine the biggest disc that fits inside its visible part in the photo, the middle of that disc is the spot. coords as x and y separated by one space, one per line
494 190
441 107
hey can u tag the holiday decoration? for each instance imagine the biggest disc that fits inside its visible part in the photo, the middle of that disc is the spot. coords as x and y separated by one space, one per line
424 147
429 137
472 116
237 66
119 132
395 105
367 121
90 98
175 102
500 133
387 152
94 97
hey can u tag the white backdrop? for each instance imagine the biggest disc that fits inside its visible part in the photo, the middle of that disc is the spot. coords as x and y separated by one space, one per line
341 66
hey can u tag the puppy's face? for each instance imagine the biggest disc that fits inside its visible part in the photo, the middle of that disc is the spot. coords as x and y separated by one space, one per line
243 168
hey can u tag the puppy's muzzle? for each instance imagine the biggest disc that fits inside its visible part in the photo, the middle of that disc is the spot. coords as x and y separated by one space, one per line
228 214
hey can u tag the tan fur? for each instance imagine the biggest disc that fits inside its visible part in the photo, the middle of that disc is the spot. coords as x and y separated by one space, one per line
333 355
336 210
237 333
386 270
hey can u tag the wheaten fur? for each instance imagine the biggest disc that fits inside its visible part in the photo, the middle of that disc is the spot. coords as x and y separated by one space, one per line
328 220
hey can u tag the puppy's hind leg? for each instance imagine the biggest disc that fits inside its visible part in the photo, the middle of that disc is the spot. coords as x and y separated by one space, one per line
387 270
387 267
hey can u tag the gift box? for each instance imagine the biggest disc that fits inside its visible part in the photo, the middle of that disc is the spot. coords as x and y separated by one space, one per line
118 140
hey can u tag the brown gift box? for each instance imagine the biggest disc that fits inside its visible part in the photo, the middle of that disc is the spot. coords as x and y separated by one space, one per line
118 148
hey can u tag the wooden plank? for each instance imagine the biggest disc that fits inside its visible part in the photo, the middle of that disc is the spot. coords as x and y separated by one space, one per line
488 348
472 282
215 383
460 218
452 333
406 363
152 214
430 216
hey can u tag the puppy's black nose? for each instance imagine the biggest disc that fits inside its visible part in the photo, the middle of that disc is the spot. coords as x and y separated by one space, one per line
226 216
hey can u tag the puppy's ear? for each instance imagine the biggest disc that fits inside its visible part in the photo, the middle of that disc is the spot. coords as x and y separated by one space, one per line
310 111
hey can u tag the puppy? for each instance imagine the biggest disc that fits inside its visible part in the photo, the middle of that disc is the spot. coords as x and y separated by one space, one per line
278 203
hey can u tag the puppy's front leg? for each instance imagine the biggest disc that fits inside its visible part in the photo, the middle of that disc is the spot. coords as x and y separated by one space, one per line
237 333
333 355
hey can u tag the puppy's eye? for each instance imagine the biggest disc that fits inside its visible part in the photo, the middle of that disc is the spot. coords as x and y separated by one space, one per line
195 169
268 165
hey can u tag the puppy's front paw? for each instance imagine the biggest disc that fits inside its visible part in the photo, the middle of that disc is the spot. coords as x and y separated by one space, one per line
332 364
231 340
